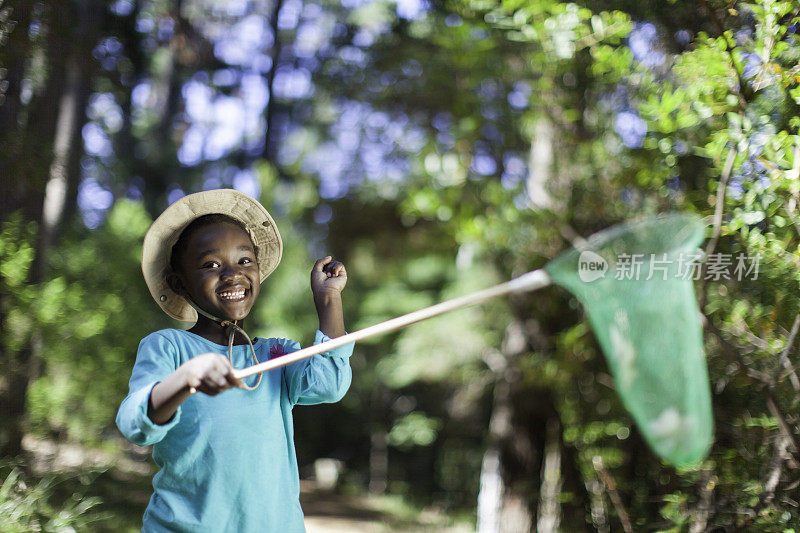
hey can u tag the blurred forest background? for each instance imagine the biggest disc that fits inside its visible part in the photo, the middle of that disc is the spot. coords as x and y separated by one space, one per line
436 147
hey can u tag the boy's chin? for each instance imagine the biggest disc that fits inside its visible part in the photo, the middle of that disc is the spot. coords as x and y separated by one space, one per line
235 316
232 315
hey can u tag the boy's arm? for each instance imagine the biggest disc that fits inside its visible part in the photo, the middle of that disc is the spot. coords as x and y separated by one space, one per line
165 398
331 316
157 358
210 373
328 278
324 377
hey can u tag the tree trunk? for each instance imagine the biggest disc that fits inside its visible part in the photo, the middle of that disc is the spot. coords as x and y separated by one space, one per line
502 508
64 147
525 444
540 166
379 439
168 82
378 462
598 505
275 56
131 165
549 515
490 494
503 505
31 126
15 50
71 34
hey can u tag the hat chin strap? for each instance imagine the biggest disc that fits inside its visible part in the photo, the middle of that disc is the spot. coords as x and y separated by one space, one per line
231 327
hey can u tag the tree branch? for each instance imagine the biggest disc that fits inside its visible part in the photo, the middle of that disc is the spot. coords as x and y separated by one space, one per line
611 487
776 470
784 363
730 352
720 199
772 405
729 50
719 208
708 483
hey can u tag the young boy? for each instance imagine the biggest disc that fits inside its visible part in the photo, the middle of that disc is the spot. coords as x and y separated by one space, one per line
227 461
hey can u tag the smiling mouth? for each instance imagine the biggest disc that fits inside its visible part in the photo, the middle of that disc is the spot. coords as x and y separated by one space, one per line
233 296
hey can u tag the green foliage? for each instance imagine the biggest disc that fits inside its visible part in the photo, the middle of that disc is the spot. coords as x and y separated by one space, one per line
719 96
16 256
30 507
93 310
414 429
285 307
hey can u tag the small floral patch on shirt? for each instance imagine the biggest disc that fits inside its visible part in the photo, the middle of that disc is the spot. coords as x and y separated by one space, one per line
276 351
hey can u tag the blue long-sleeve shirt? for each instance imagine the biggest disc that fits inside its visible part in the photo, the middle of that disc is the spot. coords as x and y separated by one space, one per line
227 463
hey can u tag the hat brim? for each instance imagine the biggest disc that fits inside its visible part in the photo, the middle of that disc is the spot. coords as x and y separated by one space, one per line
162 235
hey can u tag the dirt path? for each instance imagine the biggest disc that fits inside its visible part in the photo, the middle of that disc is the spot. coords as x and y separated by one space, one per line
124 485
328 512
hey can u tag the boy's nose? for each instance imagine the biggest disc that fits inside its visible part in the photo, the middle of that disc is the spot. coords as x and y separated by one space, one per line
232 271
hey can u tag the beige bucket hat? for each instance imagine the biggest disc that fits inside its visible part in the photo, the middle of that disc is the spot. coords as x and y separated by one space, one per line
166 229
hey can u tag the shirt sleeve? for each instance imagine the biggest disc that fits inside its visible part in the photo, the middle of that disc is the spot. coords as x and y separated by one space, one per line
157 358
322 378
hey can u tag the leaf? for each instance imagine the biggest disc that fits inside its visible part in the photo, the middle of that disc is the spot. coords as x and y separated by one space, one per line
752 217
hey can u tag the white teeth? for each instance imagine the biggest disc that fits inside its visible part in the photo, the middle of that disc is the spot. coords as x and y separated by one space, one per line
232 295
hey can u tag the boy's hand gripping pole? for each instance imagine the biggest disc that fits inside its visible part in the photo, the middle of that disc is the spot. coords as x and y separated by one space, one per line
526 282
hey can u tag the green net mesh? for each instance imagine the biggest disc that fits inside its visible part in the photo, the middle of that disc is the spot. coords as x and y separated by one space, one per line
635 282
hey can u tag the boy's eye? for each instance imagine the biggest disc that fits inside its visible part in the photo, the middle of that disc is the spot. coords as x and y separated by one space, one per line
211 264
245 261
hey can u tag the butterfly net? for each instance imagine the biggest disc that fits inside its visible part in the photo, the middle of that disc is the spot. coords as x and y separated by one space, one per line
635 283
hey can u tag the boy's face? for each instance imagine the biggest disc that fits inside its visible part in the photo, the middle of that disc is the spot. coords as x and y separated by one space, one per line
219 271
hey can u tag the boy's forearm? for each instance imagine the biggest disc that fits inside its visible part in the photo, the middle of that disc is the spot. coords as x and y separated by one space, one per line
331 316
166 397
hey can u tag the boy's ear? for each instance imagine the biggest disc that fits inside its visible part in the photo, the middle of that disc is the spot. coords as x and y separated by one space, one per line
175 283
